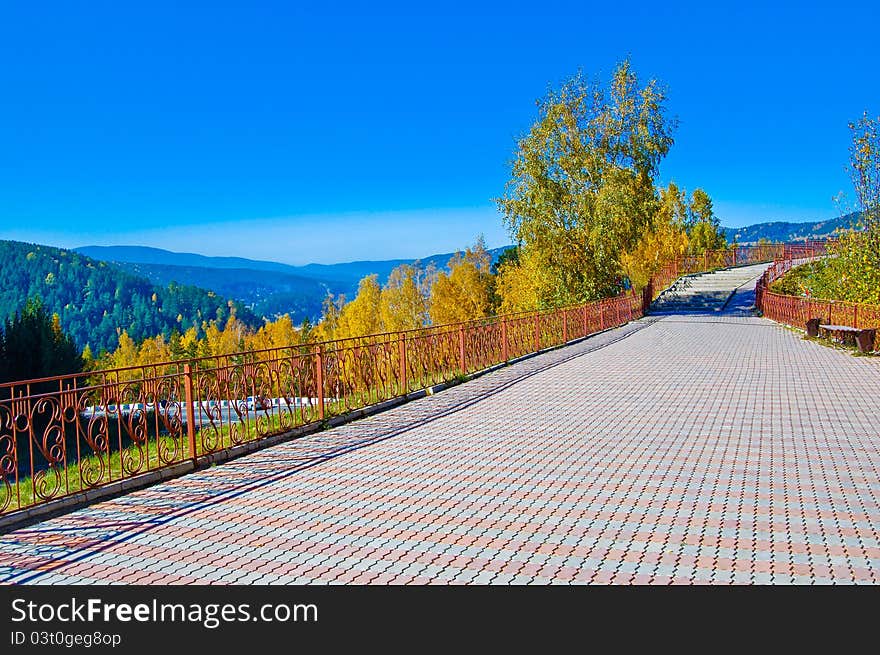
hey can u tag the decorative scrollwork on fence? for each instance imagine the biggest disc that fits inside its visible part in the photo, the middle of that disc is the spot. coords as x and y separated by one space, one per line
8 460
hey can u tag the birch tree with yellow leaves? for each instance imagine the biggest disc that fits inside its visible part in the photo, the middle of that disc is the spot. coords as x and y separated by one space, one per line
581 192
463 292
361 316
403 303
664 240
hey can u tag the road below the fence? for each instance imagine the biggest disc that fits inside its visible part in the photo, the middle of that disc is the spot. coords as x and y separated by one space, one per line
683 448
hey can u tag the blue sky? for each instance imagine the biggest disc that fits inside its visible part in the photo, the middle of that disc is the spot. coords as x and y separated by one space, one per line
368 131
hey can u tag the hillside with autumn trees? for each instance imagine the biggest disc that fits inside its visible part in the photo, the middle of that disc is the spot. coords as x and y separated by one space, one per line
95 302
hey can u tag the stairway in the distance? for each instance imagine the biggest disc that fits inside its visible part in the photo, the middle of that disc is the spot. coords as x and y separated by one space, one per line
704 293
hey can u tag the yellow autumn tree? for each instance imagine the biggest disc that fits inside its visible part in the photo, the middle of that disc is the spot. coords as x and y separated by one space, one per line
704 228
189 342
279 333
664 240
124 356
88 358
226 341
126 353
361 317
402 303
328 326
581 190
464 293
523 283
154 351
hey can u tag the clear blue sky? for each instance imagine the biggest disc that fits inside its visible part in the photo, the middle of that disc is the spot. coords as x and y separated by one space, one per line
375 131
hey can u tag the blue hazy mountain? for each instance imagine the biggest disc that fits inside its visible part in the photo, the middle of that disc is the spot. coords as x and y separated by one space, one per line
346 272
780 231
268 288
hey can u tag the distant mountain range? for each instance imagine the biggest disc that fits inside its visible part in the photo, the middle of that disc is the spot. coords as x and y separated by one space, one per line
783 232
266 292
346 272
268 288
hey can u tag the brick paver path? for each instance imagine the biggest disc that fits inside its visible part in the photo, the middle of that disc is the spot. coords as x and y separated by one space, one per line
706 449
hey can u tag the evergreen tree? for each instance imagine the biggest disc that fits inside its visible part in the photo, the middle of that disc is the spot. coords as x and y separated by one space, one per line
34 346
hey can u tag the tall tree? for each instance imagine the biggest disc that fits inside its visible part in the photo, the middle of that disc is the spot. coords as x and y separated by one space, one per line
402 303
865 168
581 191
464 293
663 241
856 269
704 228
360 317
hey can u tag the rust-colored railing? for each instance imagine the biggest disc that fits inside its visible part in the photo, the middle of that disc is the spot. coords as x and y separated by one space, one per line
726 258
797 310
69 434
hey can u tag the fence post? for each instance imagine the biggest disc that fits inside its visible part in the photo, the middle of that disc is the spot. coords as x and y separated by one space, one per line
402 347
855 316
602 314
504 351
461 359
319 380
190 412
586 331
564 326
537 334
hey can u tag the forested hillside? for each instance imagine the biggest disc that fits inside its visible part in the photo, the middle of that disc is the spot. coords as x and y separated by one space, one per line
267 293
782 232
96 301
270 289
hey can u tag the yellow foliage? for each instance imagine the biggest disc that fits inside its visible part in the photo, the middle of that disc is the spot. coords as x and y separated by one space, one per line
665 240
523 285
189 340
464 293
154 351
402 303
226 341
279 333
126 353
360 317
327 327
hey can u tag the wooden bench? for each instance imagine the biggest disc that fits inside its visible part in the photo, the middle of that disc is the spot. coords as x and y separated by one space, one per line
864 337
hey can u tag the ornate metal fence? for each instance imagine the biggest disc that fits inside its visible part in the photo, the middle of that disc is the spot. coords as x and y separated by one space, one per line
716 259
797 310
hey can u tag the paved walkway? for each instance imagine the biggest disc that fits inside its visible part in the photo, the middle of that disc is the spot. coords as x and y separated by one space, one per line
714 448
